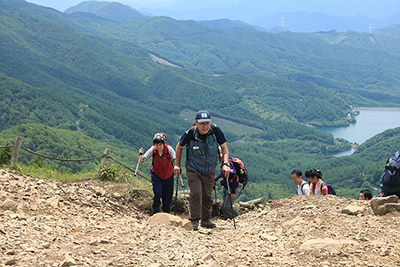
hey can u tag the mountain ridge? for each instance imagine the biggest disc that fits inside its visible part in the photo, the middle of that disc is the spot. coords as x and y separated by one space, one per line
110 10
255 10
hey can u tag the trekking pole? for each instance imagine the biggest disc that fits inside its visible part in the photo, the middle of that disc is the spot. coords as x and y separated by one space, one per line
216 199
130 190
184 193
230 199
176 195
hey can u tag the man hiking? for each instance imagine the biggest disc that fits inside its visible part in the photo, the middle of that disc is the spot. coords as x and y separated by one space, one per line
201 142
302 186
162 171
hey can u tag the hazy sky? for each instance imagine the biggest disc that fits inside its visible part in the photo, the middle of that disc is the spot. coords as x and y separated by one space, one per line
371 8
64 4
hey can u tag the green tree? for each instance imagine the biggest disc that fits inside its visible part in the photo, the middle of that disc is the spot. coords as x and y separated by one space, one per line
5 155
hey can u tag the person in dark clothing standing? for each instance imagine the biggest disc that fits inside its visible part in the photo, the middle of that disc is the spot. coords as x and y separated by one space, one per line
162 171
201 142
228 210
391 176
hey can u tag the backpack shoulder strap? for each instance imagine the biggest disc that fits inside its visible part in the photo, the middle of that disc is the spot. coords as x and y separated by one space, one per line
154 154
190 133
214 129
323 184
301 187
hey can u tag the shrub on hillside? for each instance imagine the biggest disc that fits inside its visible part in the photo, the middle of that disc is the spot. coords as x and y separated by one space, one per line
113 173
5 155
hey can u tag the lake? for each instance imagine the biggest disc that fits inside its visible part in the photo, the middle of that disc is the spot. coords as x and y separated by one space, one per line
369 123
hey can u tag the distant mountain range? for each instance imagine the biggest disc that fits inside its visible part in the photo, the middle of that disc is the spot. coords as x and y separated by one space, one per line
226 15
249 10
318 21
300 16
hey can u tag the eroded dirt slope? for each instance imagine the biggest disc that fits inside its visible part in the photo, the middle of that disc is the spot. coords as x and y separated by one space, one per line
48 223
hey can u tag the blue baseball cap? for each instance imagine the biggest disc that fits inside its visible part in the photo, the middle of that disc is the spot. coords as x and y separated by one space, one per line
203 116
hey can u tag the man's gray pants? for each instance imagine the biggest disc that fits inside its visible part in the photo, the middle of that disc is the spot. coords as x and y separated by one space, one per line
201 187
226 207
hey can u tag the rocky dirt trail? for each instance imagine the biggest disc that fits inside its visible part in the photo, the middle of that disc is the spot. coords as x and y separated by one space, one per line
49 223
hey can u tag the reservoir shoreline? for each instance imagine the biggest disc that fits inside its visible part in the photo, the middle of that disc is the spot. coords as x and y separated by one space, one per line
377 108
370 122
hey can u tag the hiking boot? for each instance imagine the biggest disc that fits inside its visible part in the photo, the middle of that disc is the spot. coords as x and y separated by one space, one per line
195 224
207 224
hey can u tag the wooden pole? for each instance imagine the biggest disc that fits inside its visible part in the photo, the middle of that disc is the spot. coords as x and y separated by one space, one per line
104 158
16 148
105 155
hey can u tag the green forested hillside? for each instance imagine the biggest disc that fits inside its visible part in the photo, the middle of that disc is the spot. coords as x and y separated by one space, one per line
335 66
104 87
42 53
21 103
359 65
393 30
378 41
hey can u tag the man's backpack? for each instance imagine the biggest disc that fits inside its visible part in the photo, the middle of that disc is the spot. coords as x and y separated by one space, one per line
331 191
391 175
191 131
241 171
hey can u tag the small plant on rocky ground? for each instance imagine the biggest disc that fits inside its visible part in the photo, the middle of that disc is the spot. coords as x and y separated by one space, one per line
16 168
252 206
113 173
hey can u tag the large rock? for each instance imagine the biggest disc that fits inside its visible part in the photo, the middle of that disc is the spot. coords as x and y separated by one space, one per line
269 238
386 208
298 221
9 205
353 210
164 219
187 225
54 202
378 203
11 262
328 244
68 262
